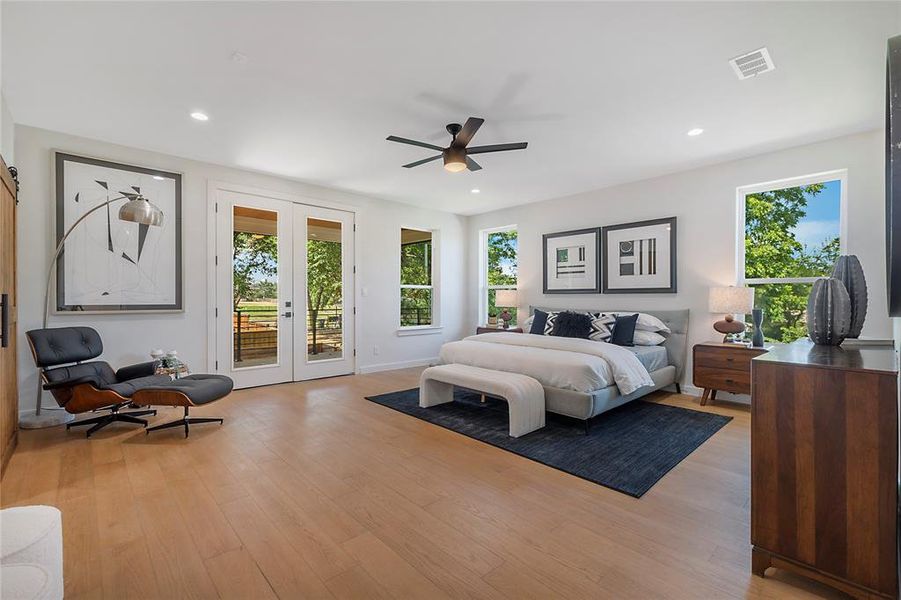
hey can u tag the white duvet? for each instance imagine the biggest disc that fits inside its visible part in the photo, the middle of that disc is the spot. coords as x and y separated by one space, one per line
566 363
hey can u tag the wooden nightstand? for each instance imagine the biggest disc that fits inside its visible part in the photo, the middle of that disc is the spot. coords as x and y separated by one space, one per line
483 329
719 366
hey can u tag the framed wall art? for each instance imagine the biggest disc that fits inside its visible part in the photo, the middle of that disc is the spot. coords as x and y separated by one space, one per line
572 260
640 257
113 265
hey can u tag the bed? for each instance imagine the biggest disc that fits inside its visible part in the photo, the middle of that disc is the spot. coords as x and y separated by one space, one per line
581 378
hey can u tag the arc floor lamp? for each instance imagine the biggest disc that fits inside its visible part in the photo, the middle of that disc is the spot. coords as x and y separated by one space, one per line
137 209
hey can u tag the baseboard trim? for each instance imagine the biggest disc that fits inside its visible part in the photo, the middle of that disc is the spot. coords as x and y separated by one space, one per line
404 364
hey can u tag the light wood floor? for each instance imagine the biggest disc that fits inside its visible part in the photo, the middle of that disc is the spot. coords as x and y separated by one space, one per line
308 490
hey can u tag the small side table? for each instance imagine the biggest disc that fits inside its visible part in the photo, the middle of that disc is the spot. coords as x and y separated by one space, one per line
485 329
720 366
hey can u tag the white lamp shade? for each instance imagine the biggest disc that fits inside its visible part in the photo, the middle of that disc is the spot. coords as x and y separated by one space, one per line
731 300
506 299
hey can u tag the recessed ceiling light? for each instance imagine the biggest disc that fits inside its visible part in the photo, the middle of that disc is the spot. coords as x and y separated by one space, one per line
199 116
476 191
158 178
695 131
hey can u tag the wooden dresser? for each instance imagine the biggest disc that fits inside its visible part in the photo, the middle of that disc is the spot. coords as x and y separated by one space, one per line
9 393
824 465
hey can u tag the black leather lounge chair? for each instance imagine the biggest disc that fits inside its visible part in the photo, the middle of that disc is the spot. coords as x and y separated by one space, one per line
79 386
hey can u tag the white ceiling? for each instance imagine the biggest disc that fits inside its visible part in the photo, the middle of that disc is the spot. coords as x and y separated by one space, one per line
603 92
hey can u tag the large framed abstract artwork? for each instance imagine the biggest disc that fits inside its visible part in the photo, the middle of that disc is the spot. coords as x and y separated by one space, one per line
640 257
110 265
572 261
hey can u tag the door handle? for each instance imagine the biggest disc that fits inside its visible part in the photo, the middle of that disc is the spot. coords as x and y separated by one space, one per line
4 320
287 314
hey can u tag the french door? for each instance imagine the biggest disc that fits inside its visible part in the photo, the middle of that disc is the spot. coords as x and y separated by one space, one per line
285 290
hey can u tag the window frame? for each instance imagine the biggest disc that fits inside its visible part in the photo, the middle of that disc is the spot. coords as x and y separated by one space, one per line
435 326
484 288
742 191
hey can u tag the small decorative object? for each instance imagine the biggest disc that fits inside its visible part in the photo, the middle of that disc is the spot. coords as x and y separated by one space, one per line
130 263
157 354
492 319
572 261
171 359
828 312
757 339
505 299
849 271
640 257
730 300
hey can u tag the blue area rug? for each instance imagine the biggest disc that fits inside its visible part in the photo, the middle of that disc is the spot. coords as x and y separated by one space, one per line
628 448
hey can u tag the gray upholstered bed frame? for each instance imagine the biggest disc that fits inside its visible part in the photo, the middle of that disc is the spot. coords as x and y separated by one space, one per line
584 406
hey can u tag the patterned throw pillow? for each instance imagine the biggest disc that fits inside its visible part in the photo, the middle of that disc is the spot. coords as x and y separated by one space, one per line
549 323
601 325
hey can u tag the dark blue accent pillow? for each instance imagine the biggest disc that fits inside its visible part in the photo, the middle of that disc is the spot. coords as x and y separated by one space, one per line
573 325
538 322
624 330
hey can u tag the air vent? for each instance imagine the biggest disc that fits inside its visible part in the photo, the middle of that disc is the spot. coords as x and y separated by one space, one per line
752 64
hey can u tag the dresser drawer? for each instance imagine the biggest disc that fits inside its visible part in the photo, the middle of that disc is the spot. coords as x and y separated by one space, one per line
728 380
739 360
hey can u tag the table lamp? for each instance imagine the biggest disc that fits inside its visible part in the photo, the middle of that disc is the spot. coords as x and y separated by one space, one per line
506 299
730 300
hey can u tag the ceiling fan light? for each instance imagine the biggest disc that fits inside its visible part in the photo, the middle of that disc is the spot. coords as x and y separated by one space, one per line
454 160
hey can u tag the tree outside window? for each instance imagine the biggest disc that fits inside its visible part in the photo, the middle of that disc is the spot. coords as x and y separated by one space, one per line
416 302
501 248
791 238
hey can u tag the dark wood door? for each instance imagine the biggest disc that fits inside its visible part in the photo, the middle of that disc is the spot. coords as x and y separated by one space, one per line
9 395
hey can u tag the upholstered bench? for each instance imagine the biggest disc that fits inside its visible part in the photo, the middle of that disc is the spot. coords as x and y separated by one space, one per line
523 394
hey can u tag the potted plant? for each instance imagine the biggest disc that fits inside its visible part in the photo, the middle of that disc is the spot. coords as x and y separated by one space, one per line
492 317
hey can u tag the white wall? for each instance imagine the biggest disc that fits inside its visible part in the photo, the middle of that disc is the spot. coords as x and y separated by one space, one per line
704 200
129 338
7 133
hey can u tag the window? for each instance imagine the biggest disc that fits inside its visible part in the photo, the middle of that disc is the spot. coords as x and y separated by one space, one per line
793 234
417 302
498 259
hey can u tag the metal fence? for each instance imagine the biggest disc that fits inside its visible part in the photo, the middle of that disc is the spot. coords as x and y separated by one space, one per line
421 315
255 332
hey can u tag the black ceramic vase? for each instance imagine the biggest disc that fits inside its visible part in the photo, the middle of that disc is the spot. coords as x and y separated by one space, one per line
828 312
757 338
848 270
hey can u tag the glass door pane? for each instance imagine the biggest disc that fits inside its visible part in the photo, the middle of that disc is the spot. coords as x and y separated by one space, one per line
324 288
325 297
255 265
254 288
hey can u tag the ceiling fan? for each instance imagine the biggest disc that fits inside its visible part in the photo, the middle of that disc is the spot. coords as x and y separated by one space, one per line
456 156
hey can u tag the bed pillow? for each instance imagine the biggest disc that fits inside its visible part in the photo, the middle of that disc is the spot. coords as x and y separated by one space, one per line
549 322
601 327
647 322
647 338
538 323
572 325
624 330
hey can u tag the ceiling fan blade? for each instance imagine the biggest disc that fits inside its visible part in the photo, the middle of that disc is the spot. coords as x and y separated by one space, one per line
497 148
469 129
421 162
400 140
472 165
